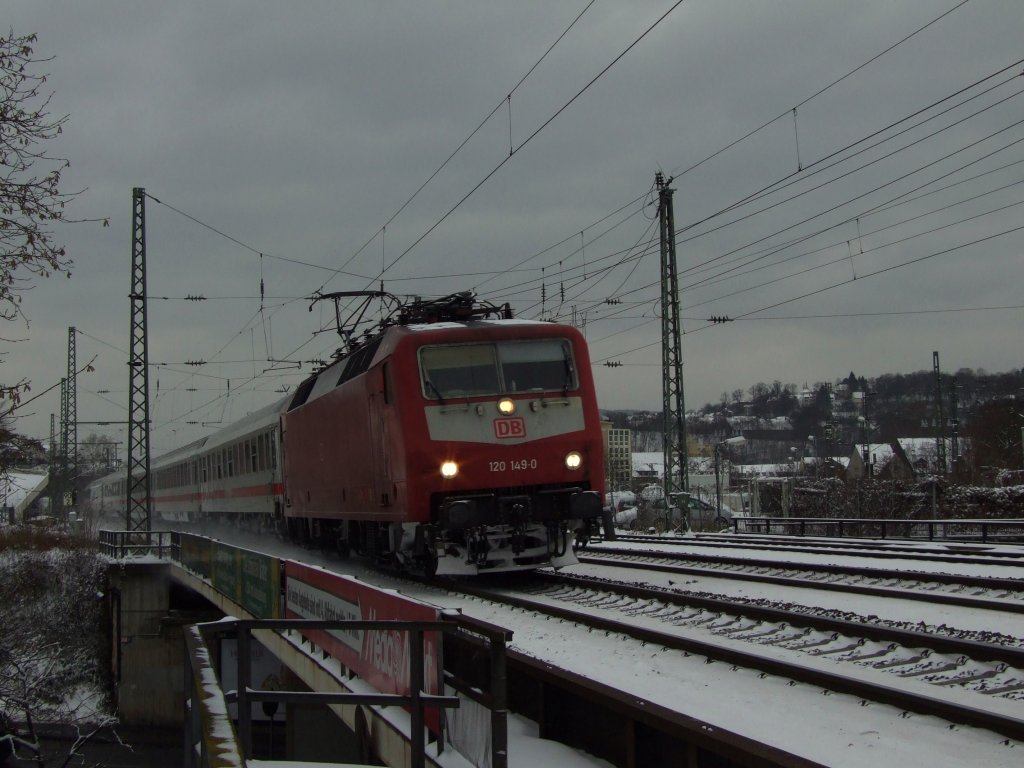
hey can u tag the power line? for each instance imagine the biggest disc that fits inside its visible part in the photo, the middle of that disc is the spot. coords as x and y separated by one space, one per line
817 291
762 193
885 314
506 99
789 110
528 139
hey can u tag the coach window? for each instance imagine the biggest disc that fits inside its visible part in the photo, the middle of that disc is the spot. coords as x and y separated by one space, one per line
272 444
229 462
202 469
253 455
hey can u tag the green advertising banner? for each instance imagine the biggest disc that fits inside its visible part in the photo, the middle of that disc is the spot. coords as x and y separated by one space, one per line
196 554
260 584
249 579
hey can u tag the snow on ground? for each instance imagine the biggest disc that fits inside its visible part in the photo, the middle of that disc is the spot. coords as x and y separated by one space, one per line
885 608
834 729
854 556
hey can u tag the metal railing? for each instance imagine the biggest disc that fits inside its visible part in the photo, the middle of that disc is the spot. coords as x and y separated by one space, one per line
136 544
986 531
209 735
210 732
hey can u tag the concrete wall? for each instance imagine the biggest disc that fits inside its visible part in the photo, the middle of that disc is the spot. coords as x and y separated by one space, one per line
148 646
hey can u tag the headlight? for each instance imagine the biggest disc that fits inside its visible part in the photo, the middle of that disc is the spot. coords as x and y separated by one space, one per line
449 469
507 406
573 460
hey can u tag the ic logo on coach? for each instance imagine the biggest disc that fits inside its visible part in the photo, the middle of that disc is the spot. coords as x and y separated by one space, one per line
505 429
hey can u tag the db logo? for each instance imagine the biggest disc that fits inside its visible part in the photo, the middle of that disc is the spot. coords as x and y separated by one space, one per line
508 428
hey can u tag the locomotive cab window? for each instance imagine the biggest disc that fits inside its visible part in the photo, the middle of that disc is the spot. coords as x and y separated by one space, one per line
537 366
469 370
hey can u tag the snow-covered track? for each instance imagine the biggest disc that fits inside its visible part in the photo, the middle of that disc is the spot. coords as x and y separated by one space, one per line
795 644
1005 595
1007 556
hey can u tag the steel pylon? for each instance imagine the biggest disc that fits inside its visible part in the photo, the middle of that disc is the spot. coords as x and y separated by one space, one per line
137 508
677 477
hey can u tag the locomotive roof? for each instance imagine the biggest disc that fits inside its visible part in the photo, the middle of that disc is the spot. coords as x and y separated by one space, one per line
475 324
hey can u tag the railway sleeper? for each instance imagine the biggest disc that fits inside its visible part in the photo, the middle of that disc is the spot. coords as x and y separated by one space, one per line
977 675
878 653
935 667
841 649
1012 686
757 636
729 625
814 643
742 628
644 609
781 641
902 662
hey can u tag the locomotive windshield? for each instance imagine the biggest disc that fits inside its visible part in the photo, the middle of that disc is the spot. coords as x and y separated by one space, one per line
469 370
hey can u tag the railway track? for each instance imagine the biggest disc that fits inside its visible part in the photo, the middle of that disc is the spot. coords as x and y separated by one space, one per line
869 548
925 666
939 588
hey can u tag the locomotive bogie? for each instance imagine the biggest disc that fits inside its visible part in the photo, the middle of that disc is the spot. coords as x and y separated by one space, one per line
486 549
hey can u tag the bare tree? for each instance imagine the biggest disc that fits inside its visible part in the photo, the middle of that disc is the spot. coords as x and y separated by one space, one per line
51 656
31 198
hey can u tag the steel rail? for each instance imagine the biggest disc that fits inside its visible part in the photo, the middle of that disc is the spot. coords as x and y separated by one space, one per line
974 649
922 546
980 582
907 700
937 598
989 558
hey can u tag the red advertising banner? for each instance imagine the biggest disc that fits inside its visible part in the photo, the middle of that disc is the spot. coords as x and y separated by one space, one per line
380 657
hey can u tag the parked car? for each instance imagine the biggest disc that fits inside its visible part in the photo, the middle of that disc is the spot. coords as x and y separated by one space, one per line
625 518
702 515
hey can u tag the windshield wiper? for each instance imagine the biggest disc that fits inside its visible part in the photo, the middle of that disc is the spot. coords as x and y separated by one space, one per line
435 390
568 372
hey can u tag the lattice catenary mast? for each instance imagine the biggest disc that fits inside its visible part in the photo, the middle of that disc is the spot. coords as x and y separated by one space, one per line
677 476
138 502
69 425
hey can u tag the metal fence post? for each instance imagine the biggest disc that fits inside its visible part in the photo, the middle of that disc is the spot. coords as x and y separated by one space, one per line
499 709
244 678
416 705
191 715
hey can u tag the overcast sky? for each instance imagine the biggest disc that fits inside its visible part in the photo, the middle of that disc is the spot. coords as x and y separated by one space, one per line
301 129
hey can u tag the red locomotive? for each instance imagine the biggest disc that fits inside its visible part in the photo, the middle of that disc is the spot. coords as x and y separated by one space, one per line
456 440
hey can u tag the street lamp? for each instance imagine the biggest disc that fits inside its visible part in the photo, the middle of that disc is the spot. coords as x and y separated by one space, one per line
734 442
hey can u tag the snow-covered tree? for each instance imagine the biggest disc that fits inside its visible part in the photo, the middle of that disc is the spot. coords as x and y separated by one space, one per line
51 669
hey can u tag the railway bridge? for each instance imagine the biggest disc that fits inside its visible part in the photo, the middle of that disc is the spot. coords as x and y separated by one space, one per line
258 660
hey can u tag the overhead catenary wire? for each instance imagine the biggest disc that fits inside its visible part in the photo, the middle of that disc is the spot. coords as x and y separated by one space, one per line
529 138
600 275
877 133
832 286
